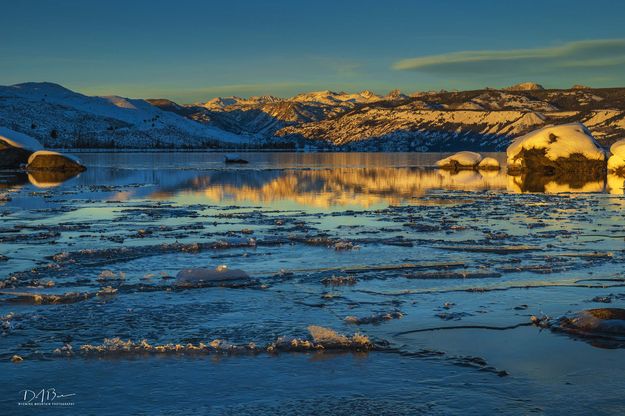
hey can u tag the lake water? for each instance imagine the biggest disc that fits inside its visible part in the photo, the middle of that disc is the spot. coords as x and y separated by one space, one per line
458 263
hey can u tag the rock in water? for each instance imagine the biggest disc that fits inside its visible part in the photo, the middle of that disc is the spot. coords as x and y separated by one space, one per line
200 276
555 149
234 158
489 163
54 161
460 160
607 323
616 163
15 148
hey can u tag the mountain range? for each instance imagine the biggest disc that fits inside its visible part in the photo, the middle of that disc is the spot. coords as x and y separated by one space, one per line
486 119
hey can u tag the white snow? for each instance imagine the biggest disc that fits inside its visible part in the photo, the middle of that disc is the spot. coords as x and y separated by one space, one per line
19 140
465 159
489 163
144 118
51 153
559 142
617 160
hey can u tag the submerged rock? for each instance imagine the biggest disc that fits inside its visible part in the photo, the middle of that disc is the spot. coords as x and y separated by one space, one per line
234 158
564 148
46 160
460 160
200 276
607 324
16 148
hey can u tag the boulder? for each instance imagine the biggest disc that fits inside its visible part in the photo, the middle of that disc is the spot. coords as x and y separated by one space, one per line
616 163
602 323
489 163
460 160
46 160
15 148
564 148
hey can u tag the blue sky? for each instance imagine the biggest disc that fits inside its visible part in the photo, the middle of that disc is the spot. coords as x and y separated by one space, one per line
194 50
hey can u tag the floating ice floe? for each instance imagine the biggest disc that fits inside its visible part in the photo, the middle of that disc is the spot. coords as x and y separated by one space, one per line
200 276
234 158
15 148
54 161
616 163
563 148
460 160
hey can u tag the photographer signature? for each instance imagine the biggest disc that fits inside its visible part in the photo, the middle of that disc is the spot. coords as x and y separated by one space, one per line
42 396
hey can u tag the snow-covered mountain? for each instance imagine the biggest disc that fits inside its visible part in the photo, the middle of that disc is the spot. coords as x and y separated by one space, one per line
487 119
468 120
59 117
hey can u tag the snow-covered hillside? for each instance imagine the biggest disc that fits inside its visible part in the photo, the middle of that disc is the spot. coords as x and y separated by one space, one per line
59 117
470 120
487 119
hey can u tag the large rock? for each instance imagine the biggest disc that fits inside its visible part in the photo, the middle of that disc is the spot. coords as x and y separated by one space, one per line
460 160
46 160
604 324
564 148
616 163
15 148
489 163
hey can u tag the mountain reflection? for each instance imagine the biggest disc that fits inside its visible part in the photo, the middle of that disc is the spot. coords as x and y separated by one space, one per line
362 187
366 187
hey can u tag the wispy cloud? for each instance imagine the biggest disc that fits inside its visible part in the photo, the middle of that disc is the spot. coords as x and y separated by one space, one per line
584 57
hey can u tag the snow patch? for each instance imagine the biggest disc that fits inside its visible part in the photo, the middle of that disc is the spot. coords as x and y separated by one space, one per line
460 160
558 142
617 160
19 140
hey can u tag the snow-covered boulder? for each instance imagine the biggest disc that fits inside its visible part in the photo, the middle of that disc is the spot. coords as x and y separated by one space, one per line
489 163
460 160
15 148
616 163
54 161
563 148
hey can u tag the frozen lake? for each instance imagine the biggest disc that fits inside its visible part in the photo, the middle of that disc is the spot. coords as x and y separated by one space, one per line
441 271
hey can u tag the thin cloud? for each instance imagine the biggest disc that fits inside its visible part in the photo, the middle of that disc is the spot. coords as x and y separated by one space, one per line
585 57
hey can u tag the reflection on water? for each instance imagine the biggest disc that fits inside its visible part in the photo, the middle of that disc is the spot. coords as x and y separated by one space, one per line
318 180
537 182
363 187
39 179
474 253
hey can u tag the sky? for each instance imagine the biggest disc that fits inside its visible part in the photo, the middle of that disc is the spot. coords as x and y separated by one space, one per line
191 51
